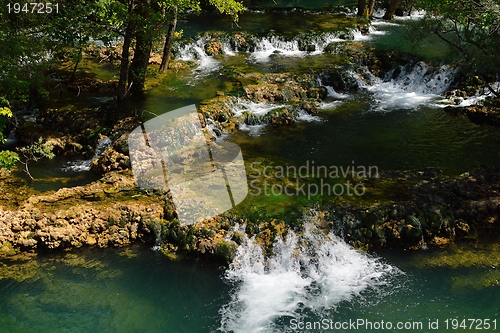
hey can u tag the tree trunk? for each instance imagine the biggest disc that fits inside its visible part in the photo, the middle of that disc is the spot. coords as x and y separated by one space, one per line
167 49
371 5
389 14
139 65
143 46
122 89
361 7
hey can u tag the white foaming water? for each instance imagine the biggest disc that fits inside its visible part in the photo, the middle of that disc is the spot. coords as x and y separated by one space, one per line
81 166
196 51
409 89
253 130
272 45
265 47
415 15
310 272
258 109
379 22
329 105
332 93
304 116
479 97
269 45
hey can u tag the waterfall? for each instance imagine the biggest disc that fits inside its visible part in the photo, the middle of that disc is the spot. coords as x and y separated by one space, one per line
269 45
310 272
84 165
478 97
254 121
406 87
261 48
195 51
258 109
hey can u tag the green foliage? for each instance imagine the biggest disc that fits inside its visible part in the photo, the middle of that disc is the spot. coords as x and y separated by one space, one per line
35 152
38 150
472 28
229 7
8 159
5 113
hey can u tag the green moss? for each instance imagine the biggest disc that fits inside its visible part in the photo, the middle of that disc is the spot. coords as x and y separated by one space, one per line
226 250
7 249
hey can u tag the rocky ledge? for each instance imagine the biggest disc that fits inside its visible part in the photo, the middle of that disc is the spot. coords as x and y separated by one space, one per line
430 210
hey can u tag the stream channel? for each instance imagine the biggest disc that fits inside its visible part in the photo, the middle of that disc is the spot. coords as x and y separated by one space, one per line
313 279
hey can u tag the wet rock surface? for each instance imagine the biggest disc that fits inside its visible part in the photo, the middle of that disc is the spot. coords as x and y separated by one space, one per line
478 114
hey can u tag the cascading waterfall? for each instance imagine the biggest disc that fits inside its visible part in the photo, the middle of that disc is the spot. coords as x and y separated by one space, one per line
309 273
337 97
478 97
256 124
196 51
84 165
406 87
259 109
255 120
263 47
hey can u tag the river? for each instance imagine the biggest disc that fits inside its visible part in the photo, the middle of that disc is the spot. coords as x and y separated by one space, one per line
314 282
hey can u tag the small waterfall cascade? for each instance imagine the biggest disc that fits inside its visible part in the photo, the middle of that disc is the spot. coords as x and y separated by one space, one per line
312 271
478 97
406 87
422 78
84 165
243 105
196 51
331 92
262 47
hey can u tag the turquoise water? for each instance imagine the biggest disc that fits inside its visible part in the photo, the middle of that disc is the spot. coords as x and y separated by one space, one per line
138 290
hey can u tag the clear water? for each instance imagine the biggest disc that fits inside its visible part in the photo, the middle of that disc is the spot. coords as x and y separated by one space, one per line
138 290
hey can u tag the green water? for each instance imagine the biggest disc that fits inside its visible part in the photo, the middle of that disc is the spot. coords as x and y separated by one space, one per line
133 290
138 290
398 140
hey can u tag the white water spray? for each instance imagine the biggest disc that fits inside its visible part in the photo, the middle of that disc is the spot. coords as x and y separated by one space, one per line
81 166
410 88
309 272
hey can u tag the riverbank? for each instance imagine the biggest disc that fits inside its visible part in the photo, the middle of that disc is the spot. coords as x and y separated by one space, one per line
432 210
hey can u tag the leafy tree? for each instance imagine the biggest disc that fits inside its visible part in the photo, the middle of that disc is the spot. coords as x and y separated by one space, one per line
144 21
5 114
471 27
35 152
24 55
7 158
